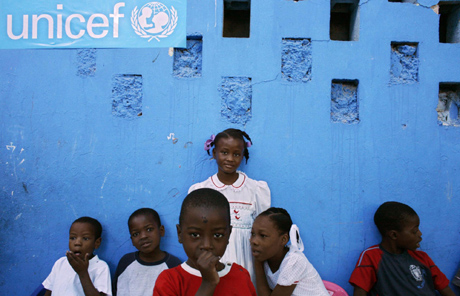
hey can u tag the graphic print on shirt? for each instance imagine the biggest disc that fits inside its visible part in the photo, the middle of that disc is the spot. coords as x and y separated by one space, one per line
418 274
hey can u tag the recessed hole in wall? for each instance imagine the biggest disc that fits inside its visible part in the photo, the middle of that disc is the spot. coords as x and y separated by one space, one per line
127 95
448 104
344 22
86 62
344 101
296 59
236 94
404 63
237 18
188 61
449 22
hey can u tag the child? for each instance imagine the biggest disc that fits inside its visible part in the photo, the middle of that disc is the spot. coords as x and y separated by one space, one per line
80 272
204 230
395 267
247 197
280 269
137 272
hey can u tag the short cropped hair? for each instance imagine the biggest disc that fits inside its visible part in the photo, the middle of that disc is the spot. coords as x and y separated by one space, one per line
204 198
146 212
391 215
97 227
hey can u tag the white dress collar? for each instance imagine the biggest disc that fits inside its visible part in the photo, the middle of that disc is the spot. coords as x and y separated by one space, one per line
237 185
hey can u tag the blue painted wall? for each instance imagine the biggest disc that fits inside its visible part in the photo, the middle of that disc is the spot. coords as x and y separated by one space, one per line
66 151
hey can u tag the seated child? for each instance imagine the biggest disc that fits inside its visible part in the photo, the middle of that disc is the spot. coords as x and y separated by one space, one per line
395 267
280 269
203 230
80 272
137 272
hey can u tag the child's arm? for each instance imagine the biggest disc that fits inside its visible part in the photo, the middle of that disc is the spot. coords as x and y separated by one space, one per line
359 291
207 265
48 293
262 285
447 291
81 268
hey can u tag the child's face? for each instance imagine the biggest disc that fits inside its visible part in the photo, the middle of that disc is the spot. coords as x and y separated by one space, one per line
410 236
266 240
145 234
204 230
82 239
228 154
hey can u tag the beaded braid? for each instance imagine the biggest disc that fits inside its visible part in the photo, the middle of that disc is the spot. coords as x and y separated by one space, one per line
236 134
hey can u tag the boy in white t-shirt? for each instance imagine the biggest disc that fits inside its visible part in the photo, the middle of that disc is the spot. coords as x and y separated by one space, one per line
80 272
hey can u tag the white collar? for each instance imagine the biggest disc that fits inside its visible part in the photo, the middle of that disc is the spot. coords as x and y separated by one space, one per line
237 185
197 273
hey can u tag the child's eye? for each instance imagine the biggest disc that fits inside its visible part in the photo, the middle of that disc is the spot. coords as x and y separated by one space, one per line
149 229
194 235
85 238
72 238
134 234
237 155
218 235
224 152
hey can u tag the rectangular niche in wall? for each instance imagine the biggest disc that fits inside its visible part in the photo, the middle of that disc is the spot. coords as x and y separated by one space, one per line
188 61
127 95
296 59
86 61
236 94
449 22
237 18
344 22
344 101
449 104
404 63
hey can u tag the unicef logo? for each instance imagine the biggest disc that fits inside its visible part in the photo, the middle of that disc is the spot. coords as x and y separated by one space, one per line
154 20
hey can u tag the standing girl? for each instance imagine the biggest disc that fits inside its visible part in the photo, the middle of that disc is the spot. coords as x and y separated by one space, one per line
247 197
282 270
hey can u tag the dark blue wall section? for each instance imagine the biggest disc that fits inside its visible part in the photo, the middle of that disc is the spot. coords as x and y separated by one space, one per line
103 132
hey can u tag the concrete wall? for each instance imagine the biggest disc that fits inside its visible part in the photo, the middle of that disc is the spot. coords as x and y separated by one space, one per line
104 132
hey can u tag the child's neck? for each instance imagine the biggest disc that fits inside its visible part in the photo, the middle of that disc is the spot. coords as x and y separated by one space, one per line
227 179
155 256
275 261
391 247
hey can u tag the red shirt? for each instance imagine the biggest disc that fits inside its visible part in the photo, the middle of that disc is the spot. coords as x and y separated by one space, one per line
185 280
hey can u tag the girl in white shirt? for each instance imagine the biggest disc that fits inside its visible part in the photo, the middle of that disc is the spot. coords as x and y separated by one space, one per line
281 269
247 197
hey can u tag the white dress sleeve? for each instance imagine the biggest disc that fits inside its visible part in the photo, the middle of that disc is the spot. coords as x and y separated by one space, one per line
292 270
263 197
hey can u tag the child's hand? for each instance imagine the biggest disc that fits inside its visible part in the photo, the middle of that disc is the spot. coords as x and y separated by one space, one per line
207 264
78 264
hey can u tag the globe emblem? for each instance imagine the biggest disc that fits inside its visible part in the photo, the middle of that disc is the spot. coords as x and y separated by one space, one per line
154 20
154 17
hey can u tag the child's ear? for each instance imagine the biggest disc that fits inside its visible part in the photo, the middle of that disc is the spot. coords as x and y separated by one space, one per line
97 243
162 231
285 239
392 234
179 231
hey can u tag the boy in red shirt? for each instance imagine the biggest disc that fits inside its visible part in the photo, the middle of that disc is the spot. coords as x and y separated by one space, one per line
395 267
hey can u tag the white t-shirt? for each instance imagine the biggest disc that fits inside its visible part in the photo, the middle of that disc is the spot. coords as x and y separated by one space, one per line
296 269
64 281
247 198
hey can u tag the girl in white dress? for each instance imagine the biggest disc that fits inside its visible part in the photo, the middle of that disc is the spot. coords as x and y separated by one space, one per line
282 270
247 197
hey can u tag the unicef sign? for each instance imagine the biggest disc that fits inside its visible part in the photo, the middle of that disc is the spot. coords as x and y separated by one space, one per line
92 24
